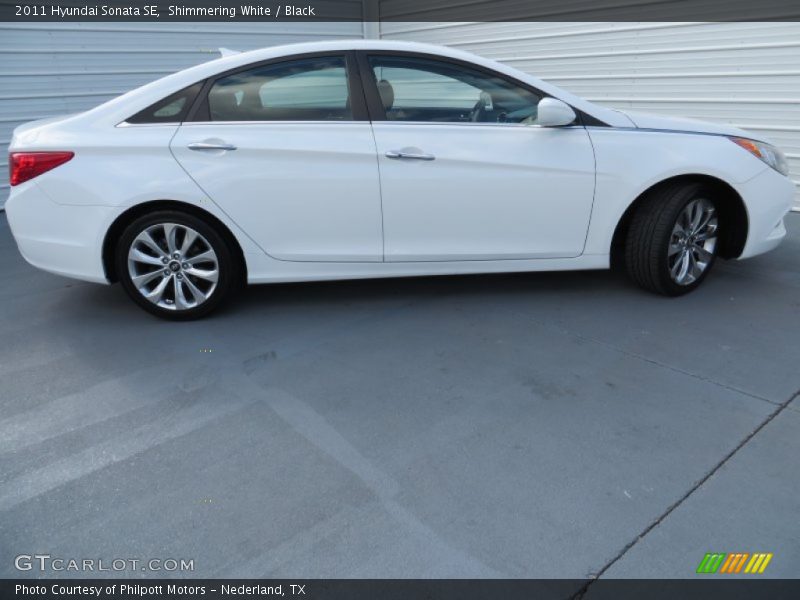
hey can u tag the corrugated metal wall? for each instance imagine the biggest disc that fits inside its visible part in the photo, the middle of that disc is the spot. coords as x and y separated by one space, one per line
747 74
58 68
742 73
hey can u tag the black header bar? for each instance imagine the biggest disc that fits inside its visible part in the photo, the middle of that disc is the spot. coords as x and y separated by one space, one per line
32 11
702 588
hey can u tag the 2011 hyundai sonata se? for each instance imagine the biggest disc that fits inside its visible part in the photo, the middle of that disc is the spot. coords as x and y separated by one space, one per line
342 160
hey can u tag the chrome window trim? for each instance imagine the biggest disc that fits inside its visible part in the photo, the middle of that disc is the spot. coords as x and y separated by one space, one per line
351 122
126 124
390 123
478 124
223 123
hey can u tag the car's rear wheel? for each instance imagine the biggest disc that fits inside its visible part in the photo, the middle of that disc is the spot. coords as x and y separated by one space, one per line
672 240
175 265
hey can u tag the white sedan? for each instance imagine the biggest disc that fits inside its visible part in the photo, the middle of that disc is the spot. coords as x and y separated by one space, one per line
342 160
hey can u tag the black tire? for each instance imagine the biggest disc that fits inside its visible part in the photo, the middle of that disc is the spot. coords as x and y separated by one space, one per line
227 267
651 231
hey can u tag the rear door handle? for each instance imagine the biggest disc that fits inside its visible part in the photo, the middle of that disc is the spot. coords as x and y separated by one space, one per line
210 146
399 154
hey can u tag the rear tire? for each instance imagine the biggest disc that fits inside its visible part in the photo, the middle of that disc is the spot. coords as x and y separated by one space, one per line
672 240
175 265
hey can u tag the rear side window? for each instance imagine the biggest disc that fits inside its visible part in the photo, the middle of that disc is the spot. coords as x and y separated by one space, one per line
172 109
309 89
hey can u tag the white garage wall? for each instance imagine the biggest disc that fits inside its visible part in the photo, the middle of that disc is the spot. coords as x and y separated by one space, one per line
747 74
742 73
59 68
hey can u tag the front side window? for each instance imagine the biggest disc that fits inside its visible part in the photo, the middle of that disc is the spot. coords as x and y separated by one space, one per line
421 89
309 89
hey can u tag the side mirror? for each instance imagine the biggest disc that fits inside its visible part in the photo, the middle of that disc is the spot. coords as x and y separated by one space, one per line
552 112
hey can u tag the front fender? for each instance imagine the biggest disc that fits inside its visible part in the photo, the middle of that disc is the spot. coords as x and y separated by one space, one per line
631 161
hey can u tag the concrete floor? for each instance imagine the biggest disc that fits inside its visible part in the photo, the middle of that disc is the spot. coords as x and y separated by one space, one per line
542 425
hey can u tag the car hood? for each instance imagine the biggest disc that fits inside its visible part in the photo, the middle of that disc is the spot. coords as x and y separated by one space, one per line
648 121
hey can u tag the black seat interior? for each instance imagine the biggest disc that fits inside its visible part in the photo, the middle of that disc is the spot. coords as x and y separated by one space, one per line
224 106
386 92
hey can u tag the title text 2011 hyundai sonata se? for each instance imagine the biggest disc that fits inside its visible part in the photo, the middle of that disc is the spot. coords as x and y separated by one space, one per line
341 160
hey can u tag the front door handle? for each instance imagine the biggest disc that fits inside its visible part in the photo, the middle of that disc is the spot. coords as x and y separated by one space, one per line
211 146
409 155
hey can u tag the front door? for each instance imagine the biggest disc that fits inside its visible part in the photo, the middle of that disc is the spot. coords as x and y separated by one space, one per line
465 172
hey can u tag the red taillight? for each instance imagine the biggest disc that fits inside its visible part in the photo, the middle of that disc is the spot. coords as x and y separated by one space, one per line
27 165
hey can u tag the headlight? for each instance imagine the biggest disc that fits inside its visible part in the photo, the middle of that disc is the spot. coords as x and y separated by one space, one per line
769 154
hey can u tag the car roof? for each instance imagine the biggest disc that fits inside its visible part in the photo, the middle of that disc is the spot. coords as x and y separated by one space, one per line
353 44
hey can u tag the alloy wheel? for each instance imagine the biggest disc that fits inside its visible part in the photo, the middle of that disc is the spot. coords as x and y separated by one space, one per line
693 242
173 266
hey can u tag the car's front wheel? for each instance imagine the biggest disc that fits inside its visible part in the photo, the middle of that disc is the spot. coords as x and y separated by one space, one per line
672 240
175 265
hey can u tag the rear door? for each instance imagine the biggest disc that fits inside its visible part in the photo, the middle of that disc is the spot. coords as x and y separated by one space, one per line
285 148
